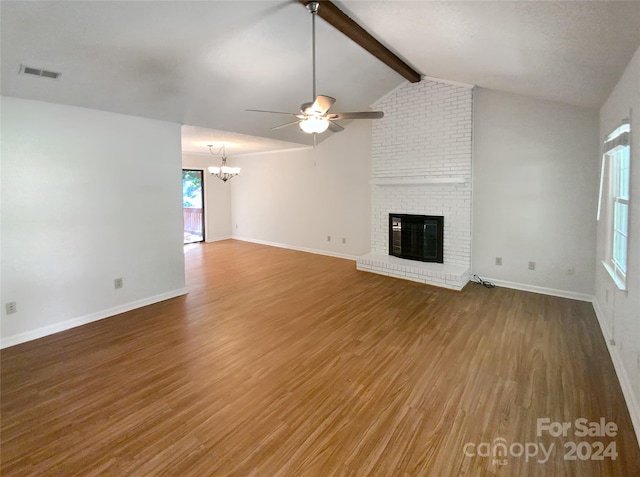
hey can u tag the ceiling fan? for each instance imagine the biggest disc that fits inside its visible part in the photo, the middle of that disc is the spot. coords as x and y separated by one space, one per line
314 117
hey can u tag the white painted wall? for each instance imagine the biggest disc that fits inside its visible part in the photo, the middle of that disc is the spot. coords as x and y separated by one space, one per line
298 198
618 311
87 196
217 201
535 186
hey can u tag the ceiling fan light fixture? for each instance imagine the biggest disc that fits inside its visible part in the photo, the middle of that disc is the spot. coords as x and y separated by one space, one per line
314 125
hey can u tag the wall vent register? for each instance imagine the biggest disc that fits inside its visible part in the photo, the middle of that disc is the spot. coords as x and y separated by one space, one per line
28 70
416 237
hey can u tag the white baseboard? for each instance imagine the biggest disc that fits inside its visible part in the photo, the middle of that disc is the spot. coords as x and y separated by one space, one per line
541 290
83 320
625 383
218 239
294 247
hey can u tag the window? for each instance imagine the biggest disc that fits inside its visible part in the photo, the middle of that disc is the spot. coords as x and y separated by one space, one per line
617 156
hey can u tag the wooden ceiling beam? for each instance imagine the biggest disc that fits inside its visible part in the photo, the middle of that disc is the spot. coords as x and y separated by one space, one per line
330 13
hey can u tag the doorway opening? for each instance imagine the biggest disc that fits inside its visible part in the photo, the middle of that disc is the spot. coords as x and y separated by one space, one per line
193 205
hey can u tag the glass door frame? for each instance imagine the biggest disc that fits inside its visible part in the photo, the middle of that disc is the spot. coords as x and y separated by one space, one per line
203 196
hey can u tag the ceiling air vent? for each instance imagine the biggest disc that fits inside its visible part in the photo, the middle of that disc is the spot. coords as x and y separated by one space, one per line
27 70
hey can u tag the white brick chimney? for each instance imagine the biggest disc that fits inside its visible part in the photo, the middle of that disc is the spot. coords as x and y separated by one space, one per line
421 164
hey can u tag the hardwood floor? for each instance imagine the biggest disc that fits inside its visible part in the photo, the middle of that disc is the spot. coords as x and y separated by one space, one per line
283 363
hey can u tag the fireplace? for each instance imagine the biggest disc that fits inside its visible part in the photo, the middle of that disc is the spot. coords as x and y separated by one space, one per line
416 237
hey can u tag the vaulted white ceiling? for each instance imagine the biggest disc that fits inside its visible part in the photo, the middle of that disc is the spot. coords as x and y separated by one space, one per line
202 63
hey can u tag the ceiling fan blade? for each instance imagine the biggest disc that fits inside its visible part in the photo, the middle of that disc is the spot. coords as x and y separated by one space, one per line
322 104
274 112
361 115
284 125
333 127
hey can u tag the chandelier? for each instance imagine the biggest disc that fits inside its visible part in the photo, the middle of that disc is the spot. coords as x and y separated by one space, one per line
224 172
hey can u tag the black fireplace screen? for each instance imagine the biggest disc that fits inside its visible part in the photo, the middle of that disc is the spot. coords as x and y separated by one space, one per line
416 237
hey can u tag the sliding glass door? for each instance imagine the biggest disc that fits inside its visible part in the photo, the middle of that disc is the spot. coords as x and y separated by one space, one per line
193 205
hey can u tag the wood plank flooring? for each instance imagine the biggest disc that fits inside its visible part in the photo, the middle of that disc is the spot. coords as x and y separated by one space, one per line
283 363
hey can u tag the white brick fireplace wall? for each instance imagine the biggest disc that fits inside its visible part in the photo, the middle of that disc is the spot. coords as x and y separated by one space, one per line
421 164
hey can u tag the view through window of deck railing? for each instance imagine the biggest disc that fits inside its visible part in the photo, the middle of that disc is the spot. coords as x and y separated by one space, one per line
193 205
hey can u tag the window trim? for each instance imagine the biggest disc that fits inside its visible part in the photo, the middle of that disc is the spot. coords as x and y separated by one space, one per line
614 142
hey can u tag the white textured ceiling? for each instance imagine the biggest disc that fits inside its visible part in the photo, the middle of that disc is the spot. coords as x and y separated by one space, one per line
203 63
567 51
196 140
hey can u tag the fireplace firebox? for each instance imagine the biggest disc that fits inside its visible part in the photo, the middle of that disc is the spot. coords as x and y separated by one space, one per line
416 237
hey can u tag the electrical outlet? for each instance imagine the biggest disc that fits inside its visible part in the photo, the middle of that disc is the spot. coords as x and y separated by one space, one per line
532 265
328 238
117 283
571 270
11 307
499 261
344 240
